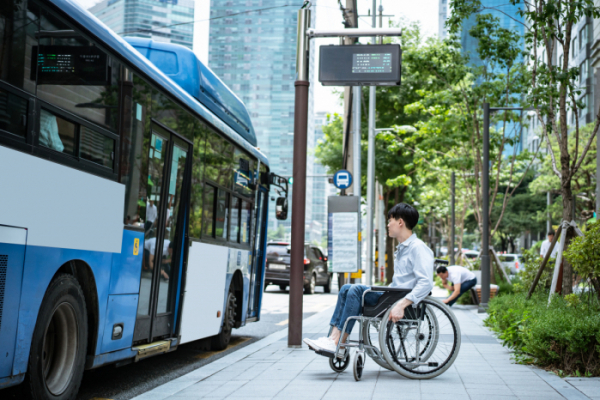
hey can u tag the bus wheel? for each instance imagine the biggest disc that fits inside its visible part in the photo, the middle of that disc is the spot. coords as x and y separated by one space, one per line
59 343
220 341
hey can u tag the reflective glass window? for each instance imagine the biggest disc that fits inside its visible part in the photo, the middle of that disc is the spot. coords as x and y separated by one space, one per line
220 164
235 220
19 22
13 113
245 222
57 133
73 73
96 147
222 215
209 209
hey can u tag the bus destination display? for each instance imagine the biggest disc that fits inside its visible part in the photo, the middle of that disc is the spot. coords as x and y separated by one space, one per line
360 65
70 65
370 63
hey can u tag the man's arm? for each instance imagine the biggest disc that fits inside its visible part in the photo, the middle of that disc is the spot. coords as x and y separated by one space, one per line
453 295
445 284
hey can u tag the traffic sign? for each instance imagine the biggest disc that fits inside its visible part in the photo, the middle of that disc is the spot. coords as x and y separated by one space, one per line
342 179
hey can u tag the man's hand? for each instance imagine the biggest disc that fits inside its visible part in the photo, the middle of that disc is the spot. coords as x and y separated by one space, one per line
397 312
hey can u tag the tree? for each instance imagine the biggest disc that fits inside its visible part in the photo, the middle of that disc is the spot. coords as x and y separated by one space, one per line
553 89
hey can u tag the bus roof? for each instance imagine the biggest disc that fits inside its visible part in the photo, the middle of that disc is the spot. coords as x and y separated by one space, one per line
117 44
181 65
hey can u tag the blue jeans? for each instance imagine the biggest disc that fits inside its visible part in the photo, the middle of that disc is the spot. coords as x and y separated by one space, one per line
464 287
349 305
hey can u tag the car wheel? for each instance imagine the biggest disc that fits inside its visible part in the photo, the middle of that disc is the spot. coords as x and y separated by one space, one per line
59 342
282 287
310 288
327 287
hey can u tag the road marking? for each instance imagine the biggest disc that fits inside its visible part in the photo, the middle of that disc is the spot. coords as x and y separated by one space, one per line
234 342
283 322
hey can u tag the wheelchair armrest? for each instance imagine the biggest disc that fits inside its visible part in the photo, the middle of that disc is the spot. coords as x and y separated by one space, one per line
389 289
443 262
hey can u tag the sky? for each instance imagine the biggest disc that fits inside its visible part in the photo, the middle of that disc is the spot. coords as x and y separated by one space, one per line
328 16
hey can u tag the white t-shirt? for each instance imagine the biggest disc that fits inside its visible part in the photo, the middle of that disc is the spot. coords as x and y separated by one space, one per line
459 275
546 246
150 245
151 212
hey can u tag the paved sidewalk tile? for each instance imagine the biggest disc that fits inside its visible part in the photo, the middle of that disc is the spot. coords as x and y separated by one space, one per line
268 369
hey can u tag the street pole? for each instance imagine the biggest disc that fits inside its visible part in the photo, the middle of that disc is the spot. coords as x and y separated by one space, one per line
371 168
299 191
382 232
356 135
453 222
485 192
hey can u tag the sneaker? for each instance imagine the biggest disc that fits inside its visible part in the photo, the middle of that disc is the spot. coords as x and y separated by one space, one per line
324 345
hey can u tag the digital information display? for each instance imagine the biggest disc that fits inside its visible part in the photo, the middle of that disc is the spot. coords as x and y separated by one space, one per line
369 63
69 65
360 65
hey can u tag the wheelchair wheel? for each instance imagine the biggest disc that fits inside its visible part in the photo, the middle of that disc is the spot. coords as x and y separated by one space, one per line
359 364
340 364
371 338
424 347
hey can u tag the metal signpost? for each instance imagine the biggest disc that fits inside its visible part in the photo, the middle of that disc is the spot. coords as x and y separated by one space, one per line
369 70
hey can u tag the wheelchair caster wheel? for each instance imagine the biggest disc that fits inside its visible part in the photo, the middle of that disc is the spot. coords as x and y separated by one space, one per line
340 364
359 364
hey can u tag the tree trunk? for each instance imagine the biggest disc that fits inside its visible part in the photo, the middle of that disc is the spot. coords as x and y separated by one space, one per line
567 215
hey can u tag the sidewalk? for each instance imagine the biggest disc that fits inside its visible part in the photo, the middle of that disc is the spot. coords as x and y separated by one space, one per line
268 369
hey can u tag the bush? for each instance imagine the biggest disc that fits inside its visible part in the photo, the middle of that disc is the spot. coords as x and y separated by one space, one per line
584 255
563 336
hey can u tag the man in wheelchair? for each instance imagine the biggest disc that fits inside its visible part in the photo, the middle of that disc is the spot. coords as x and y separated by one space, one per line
413 270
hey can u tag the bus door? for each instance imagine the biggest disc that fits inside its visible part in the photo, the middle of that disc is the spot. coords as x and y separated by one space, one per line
168 163
256 278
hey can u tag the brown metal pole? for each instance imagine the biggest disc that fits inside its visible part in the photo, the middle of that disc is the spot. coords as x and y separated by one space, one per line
299 190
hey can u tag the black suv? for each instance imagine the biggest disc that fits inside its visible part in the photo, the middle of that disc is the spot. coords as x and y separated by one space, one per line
278 267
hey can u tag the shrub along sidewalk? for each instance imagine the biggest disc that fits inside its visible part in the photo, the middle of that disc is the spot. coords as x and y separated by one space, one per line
563 336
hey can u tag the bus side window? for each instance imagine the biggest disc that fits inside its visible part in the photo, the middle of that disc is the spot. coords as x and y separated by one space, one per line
210 193
57 133
19 21
197 186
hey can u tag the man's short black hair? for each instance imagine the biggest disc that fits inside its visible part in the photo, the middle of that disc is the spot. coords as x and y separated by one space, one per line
441 270
407 212
551 233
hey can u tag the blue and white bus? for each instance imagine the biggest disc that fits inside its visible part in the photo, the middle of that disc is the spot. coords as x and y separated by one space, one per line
133 199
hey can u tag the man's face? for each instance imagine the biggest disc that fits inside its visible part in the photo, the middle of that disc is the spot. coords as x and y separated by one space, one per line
395 227
443 275
550 237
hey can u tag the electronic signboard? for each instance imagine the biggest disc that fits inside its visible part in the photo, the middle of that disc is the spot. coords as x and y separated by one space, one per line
69 65
367 65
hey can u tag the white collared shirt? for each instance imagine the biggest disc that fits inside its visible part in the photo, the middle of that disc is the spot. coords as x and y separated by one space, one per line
413 268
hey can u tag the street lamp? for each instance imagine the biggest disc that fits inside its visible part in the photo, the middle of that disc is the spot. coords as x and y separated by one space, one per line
485 188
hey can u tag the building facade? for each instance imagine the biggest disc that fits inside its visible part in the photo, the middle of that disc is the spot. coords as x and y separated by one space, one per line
169 21
254 53
442 17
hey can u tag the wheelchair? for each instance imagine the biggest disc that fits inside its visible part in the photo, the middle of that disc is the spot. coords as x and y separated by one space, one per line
422 345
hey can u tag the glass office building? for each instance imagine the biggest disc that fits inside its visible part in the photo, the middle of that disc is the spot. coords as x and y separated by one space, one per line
254 53
161 20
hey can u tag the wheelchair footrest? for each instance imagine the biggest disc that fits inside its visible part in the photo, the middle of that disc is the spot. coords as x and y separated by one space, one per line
325 353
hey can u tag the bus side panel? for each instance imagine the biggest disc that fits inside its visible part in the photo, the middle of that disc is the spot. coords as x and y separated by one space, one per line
204 288
127 266
41 264
12 256
69 215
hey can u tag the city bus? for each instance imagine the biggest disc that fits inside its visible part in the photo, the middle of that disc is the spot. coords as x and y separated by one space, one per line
133 200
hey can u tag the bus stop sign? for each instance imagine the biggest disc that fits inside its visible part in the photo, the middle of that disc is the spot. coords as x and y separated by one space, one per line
360 65
342 179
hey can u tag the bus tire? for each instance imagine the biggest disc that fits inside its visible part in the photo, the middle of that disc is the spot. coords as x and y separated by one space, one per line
221 341
59 343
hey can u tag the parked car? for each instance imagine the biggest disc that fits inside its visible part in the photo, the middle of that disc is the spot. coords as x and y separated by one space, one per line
315 267
510 261
471 254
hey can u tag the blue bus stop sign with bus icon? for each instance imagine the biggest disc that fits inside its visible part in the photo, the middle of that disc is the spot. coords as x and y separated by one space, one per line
342 179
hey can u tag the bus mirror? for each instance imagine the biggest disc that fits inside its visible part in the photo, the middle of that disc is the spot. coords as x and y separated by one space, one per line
281 208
